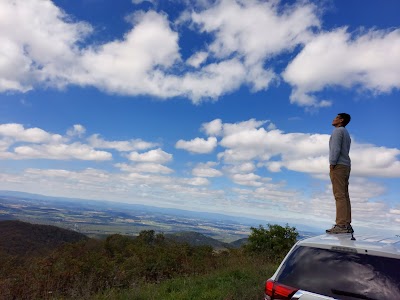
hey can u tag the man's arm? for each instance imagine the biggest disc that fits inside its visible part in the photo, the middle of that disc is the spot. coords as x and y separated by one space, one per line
335 147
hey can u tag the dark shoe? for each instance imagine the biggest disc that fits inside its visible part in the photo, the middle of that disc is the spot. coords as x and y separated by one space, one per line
339 229
350 229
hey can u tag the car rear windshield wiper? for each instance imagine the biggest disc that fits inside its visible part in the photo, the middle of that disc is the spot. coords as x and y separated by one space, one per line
351 294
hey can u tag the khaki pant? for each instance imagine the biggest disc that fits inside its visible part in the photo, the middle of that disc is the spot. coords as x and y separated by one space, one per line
340 185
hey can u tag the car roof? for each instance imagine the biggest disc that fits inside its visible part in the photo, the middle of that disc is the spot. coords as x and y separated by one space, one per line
367 244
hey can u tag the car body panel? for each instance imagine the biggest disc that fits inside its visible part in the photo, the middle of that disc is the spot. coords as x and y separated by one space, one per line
370 245
304 295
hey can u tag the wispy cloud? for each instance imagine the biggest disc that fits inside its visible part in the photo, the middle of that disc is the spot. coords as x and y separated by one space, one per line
60 152
135 144
144 168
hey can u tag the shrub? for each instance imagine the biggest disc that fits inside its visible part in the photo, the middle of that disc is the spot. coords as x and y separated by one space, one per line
274 241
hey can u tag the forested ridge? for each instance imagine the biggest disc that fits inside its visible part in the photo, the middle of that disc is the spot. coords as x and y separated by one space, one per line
63 264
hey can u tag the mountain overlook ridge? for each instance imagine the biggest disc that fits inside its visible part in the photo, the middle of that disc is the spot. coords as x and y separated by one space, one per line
22 238
84 212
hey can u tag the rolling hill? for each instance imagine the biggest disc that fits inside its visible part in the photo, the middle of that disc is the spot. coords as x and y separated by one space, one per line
24 239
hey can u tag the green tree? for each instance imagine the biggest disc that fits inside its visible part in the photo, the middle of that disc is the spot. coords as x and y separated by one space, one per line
273 242
149 237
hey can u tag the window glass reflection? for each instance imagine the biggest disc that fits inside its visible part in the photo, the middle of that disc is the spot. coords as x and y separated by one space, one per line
342 275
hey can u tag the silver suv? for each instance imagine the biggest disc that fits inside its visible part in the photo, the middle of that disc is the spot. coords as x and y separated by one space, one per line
336 267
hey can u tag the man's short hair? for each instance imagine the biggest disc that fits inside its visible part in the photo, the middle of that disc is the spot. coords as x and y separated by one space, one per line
346 118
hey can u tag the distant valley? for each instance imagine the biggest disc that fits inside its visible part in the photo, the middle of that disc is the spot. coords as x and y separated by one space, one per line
102 218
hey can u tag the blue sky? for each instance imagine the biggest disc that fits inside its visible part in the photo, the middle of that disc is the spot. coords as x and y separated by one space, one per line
215 106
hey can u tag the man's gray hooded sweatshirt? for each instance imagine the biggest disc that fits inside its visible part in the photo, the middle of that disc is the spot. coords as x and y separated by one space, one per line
339 147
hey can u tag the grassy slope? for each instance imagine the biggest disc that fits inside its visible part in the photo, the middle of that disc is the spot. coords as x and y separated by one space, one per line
75 269
243 280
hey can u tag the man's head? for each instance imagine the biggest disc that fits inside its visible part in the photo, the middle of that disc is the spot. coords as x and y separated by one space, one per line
341 119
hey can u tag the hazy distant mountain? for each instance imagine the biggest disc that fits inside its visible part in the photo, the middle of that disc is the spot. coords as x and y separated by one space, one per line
239 243
97 218
4 217
197 239
141 207
21 238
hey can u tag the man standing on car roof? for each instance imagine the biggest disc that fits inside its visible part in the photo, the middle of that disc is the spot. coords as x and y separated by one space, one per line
340 166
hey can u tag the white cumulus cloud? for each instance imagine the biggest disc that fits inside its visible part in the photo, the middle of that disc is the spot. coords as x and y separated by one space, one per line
206 170
213 128
38 44
338 58
18 133
130 66
42 46
153 156
198 145
253 141
197 181
281 31
76 130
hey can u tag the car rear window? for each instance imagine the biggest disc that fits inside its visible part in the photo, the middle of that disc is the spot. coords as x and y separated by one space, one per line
342 275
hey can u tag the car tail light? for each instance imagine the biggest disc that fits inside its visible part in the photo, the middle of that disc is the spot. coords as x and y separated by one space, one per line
275 290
